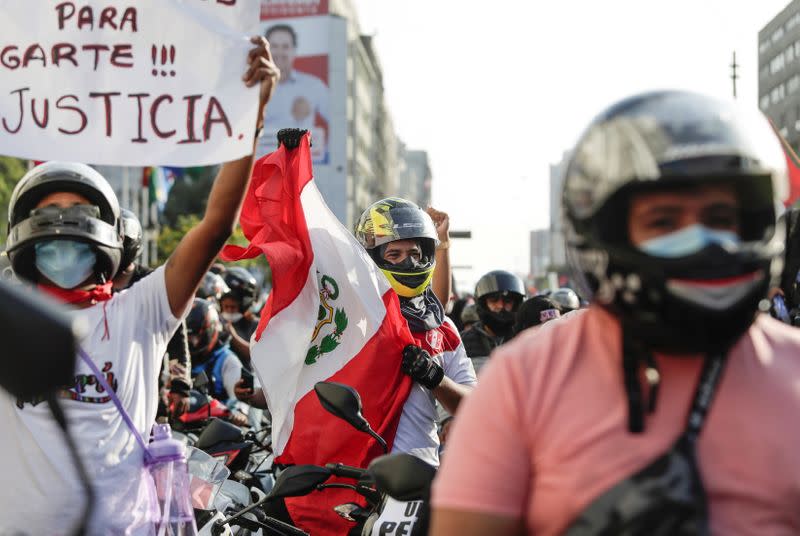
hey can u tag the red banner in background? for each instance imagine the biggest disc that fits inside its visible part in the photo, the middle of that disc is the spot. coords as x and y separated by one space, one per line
793 169
276 9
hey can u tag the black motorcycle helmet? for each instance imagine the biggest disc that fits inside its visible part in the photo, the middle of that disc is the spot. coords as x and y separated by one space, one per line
242 286
203 329
96 224
536 311
499 283
212 287
392 219
663 141
132 235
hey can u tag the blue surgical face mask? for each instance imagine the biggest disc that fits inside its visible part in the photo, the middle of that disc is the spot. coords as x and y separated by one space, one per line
688 241
65 262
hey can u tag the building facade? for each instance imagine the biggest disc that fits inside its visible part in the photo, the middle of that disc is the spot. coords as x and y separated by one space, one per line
364 158
415 176
377 163
779 72
539 253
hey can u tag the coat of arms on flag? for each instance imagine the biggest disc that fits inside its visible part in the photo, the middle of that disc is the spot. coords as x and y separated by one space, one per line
328 292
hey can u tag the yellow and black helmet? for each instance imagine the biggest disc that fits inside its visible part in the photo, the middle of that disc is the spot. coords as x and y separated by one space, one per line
392 219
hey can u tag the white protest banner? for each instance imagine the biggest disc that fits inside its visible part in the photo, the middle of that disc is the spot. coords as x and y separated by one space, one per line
127 82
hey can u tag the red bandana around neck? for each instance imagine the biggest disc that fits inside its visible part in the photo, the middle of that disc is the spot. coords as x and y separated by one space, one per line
99 293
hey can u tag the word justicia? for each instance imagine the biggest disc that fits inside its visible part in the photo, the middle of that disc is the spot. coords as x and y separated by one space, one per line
71 115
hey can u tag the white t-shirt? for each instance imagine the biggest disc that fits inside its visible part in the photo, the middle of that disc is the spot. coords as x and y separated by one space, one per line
40 492
416 433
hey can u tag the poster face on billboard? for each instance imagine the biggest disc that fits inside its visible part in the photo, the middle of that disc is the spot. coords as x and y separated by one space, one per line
299 46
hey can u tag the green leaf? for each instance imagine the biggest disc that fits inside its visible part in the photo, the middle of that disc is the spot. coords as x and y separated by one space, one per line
312 355
11 171
328 344
340 318
321 314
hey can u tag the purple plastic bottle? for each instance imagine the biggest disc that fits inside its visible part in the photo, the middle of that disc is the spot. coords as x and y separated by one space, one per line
170 474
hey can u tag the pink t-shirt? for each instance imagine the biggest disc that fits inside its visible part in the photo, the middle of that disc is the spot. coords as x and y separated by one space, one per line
546 430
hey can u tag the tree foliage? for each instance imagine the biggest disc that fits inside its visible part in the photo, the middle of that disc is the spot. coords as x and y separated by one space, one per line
189 195
11 171
170 236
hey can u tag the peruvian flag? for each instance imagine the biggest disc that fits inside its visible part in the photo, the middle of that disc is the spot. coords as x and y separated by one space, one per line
331 316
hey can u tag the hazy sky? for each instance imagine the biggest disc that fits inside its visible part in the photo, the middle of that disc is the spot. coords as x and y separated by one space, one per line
496 91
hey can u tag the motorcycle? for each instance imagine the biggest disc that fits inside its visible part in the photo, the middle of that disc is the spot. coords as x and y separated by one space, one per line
206 426
214 496
203 407
395 487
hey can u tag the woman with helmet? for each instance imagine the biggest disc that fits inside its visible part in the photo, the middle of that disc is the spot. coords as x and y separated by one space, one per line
669 406
401 239
498 295
236 306
65 237
178 364
210 353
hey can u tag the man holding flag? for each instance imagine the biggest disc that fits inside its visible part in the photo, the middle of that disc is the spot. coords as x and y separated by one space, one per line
332 315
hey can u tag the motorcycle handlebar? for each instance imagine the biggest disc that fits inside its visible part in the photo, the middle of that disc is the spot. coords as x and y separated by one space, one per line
346 471
277 525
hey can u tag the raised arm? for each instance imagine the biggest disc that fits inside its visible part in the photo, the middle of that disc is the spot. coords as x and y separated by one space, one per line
442 274
195 252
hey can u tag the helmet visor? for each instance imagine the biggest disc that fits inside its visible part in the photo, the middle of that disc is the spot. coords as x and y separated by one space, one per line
80 222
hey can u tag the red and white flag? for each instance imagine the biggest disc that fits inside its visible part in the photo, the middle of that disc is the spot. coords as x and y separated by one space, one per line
332 315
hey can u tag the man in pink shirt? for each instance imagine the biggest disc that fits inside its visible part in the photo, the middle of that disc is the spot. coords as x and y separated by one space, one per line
670 405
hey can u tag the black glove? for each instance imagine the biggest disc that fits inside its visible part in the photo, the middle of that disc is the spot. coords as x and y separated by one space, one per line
290 137
418 364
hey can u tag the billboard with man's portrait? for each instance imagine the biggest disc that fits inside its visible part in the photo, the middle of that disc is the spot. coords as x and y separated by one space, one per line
300 45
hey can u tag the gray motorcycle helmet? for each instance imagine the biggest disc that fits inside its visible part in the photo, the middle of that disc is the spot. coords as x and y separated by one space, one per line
97 224
567 299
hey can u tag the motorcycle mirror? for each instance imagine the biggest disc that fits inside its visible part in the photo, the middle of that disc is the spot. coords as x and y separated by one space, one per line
342 401
298 480
40 365
402 476
218 431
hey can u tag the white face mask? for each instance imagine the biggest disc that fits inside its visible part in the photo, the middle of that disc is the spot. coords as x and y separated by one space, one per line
232 317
